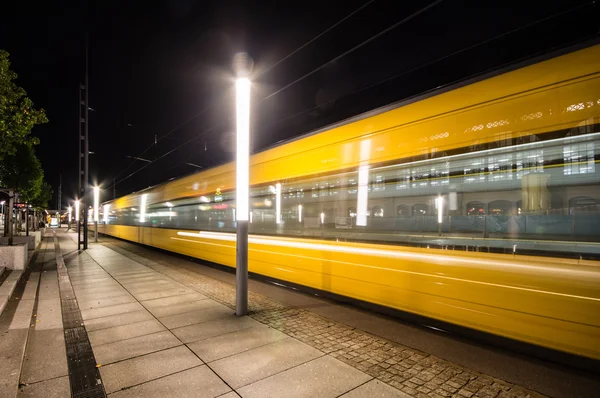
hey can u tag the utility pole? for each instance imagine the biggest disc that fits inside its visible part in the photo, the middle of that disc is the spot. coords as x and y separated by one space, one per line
84 150
58 199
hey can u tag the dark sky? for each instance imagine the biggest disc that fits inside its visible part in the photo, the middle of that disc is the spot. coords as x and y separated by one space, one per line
155 65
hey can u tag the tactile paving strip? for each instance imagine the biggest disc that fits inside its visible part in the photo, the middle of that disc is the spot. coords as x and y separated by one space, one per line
84 376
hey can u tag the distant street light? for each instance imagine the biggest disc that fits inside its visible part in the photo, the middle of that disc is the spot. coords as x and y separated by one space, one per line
242 88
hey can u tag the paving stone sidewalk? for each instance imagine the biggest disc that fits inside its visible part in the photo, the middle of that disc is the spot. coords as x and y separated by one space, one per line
415 373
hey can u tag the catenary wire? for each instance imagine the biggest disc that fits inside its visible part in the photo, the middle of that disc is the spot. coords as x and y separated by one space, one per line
512 31
362 44
262 73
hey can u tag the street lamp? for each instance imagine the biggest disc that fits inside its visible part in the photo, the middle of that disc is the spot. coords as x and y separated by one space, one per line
77 211
69 217
242 88
96 204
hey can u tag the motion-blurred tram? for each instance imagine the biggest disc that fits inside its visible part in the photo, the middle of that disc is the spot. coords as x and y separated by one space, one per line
477 205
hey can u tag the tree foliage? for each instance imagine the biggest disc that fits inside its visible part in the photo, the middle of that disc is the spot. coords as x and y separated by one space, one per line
44 196
22 172
17 114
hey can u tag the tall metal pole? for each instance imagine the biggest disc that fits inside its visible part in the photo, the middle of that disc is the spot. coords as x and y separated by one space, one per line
59 198
80 139
86 151
242 193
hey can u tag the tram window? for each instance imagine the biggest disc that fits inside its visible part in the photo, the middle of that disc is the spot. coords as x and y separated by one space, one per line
500 208
402 210
419 209
475 209
377 211
582 204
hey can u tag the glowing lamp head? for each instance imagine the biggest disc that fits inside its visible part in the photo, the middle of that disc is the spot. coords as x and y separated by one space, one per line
76 210
96 203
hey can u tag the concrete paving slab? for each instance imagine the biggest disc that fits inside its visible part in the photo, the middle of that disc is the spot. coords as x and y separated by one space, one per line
147 283
49 315
175 309
205 330
55 388
375 389
126 349
123 332
95 286
111 310
192 317
100 302
117 320
324 377
22 317
165 293
49 285
184 298
234 343
256 364
100 291
198 382
137 279
31 287
229 395
135 271
45 357
89 296
147 367
12 347
153 287
98 281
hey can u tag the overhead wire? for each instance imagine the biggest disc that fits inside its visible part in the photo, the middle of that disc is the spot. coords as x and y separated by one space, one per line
362 44
262 73
346 53
509 32
390 78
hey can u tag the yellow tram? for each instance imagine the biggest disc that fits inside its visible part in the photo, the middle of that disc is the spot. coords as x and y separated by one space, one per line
477 205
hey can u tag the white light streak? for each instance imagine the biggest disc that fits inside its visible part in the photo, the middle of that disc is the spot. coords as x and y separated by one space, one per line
278 203
322 218
362 197
440 259
143 201
299 213
439 203
242 88
76 210
106 209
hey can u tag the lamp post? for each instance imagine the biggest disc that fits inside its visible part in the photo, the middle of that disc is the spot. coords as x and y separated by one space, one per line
242 90
96 204
69 218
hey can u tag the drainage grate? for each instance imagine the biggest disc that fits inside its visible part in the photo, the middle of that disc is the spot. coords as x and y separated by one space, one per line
84 376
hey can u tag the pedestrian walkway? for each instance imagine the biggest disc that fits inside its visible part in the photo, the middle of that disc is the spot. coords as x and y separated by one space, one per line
32 347
125 321
153 336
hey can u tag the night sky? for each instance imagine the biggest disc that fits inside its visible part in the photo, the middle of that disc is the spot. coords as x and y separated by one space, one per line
156 65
